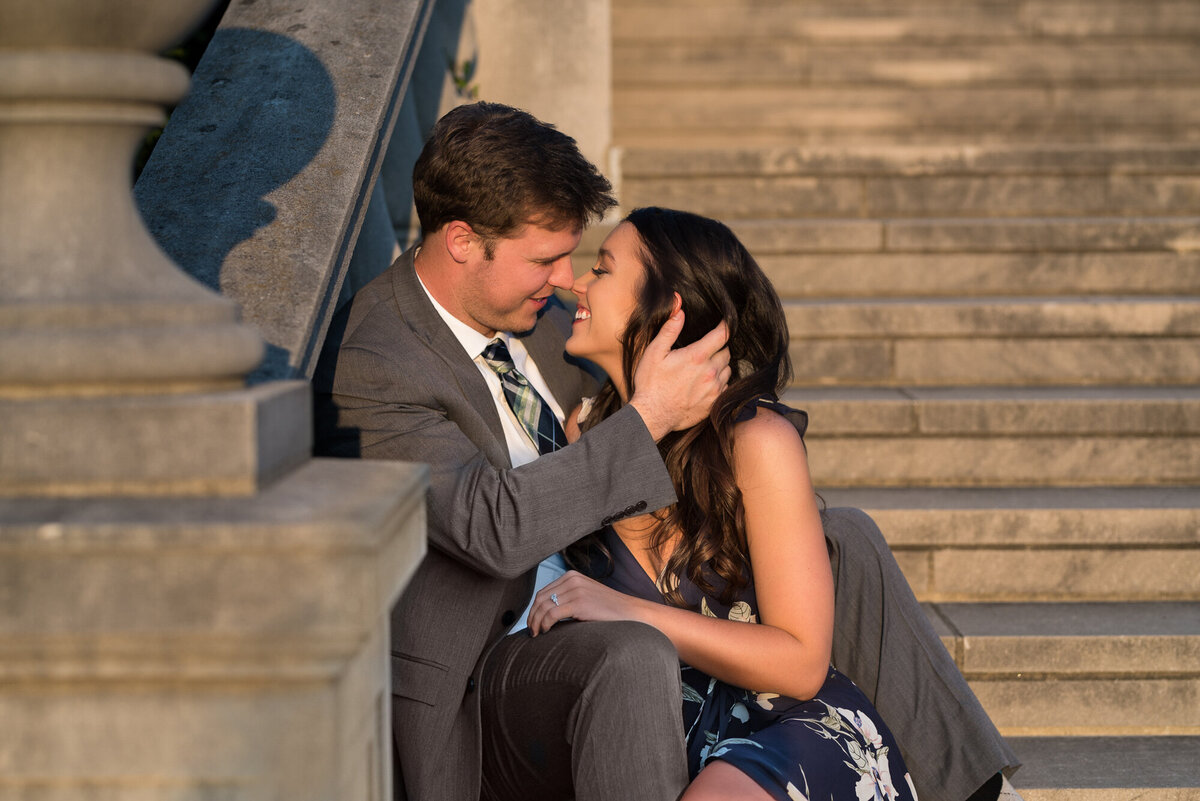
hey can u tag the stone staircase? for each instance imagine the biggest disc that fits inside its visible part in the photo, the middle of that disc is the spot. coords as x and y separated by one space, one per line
984 218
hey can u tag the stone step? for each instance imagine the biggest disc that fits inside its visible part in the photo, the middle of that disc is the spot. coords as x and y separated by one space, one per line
1006 317
910 160
881 21
732 59
959 544
1003 439
995 342
887 182
971 235
921 196
1093 768
1055 669
881 275
1049 669
738 116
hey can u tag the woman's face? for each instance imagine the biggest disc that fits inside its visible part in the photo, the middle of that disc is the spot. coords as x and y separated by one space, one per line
607 297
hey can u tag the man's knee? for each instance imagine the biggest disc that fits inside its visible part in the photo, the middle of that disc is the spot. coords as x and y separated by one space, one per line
630 653
853 532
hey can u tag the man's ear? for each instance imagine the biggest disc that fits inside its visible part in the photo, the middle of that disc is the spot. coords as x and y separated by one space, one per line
461 241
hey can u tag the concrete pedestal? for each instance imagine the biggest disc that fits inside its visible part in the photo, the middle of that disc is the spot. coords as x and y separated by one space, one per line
206 649
190 607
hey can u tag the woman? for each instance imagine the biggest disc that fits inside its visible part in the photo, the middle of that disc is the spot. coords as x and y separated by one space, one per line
736 574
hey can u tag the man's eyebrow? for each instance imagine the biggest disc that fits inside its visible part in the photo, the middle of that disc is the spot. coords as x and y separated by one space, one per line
552 259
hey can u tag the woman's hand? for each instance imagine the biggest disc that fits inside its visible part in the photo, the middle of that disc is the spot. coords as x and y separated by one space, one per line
574 595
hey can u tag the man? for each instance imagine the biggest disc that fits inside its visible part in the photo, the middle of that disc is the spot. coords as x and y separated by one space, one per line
410 371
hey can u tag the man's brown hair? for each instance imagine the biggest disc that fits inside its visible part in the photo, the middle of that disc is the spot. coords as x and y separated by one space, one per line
497 168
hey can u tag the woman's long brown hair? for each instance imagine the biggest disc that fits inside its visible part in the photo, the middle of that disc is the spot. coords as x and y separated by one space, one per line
717 279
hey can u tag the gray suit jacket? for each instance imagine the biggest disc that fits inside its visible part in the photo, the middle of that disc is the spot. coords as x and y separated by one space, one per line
394 383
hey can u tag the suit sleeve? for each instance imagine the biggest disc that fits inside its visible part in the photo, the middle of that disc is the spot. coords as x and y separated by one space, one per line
499 521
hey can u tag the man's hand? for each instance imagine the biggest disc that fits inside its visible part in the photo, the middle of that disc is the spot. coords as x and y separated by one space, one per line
674 389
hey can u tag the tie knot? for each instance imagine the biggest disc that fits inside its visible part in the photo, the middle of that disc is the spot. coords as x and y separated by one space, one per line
498 358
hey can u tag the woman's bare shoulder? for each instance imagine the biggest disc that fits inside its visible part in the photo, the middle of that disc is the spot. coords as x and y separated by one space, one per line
765 437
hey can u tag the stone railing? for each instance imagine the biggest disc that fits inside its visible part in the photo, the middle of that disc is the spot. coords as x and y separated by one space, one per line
260 186
190 606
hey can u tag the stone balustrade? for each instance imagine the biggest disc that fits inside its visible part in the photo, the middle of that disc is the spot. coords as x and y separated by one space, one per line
190 606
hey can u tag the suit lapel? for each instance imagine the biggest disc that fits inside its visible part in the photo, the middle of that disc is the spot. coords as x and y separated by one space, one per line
426 323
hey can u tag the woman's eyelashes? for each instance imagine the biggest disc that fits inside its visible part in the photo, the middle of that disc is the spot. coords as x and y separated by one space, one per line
598 271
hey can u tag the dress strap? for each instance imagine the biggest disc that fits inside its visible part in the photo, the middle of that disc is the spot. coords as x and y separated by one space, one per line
797 417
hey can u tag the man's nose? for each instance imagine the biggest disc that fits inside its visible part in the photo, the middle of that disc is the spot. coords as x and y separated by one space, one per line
581 284
562 275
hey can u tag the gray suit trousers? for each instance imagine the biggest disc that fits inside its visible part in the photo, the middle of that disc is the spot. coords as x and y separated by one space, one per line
884 642
589 711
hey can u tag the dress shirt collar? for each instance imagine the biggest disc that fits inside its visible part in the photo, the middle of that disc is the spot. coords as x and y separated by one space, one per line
472 341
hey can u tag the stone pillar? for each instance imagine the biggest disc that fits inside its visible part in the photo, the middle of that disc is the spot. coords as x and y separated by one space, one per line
552 58
190 607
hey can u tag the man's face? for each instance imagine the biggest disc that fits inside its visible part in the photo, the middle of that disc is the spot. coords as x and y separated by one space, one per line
506 292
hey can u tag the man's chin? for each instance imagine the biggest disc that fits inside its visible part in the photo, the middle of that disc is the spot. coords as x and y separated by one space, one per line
520 324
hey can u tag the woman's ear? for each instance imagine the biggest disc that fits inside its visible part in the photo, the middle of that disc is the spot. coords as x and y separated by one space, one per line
677 305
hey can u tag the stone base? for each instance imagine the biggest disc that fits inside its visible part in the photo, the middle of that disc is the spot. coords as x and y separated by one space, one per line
227 443
206 648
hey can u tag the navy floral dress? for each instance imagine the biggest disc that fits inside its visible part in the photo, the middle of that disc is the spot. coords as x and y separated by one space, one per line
833 747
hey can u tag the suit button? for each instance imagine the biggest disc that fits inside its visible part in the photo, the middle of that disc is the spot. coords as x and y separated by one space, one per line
471 684
508 618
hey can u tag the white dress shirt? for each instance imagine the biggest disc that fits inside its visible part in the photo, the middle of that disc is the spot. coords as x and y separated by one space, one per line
521 449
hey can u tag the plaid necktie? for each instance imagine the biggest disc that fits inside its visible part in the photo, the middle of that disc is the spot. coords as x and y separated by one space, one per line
523 399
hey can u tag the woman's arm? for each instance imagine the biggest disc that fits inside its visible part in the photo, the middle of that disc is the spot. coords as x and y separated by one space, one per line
789 651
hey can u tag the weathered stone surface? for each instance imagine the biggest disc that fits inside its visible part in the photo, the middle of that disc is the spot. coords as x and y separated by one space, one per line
234 646
941 196
811 236
918 159
869 20
564 78
1060 361
842 362
1108 768
730 57
1003 461
260 184
1074 517
899 319
751 198
94 301
1176 234
1081 18
1085 707
840 275
186 444
1016 114
775 19
999 411
1112 640
1058 574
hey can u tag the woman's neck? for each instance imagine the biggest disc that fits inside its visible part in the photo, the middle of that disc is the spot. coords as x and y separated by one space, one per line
636 532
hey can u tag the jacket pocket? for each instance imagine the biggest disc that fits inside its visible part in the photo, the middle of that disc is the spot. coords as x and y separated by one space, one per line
419 679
